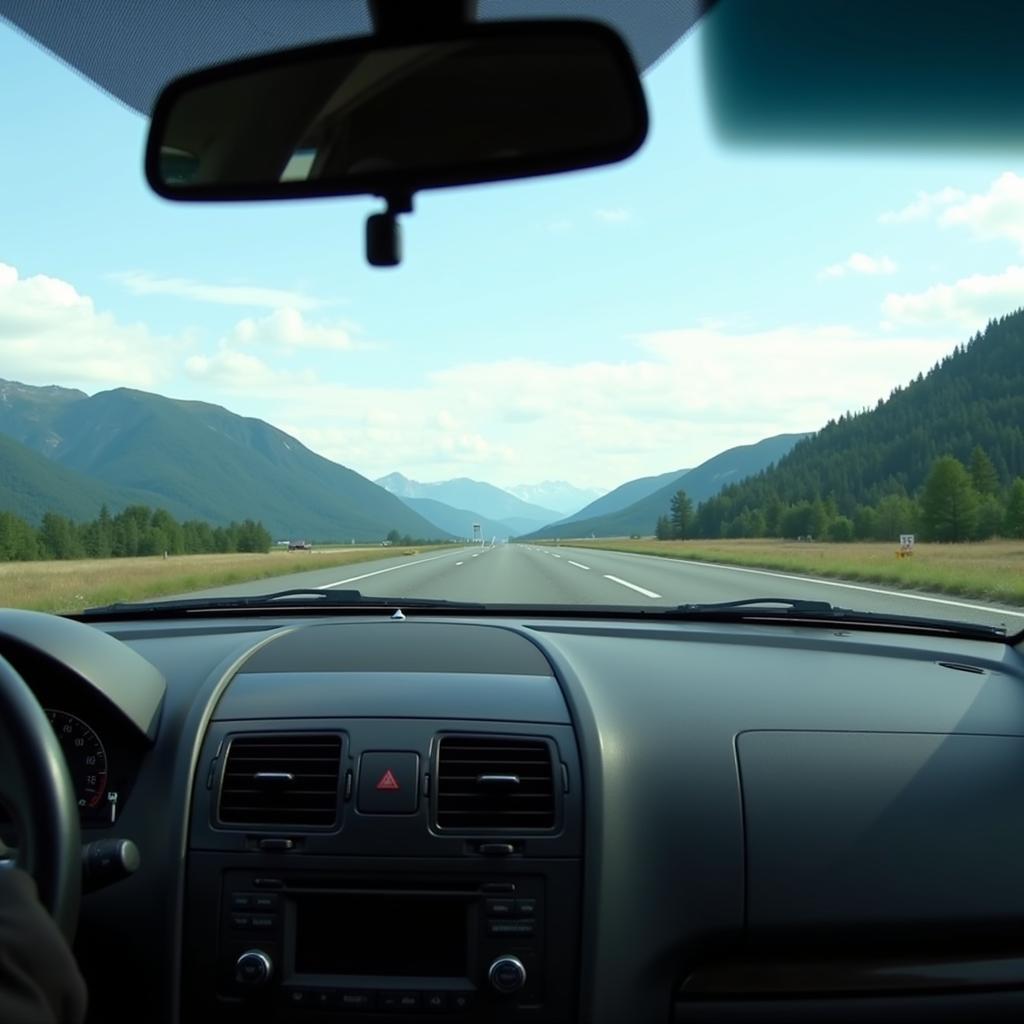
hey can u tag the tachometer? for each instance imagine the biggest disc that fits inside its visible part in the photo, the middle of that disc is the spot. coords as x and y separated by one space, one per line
85 755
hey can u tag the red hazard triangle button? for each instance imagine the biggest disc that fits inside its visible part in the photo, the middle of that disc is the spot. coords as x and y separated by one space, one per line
389 782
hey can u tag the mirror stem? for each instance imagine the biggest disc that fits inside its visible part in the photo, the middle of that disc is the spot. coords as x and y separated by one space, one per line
407 17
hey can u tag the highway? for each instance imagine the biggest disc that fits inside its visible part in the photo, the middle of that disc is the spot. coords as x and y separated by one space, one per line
524 574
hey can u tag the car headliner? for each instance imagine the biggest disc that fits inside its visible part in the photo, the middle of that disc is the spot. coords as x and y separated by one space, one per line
133 49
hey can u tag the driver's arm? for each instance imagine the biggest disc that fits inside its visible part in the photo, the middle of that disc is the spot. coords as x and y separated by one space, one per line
39 979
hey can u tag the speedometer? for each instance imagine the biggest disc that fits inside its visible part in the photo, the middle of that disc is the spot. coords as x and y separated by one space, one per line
85 755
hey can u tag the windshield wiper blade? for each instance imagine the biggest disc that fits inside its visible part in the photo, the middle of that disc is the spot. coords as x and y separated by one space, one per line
299 597
789 604
788 609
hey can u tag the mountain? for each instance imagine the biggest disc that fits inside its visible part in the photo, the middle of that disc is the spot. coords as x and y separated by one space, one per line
972 398
625 495
458 521
700 483
26 412
564 497
485 499
202 461
31 484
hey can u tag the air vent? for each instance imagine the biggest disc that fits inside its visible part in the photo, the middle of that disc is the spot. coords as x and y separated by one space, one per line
495 782
284 779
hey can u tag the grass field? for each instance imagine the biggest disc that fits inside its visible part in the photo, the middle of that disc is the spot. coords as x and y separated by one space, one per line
991 570
69 586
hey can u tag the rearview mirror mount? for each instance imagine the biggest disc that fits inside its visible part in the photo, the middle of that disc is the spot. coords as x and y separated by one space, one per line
394 115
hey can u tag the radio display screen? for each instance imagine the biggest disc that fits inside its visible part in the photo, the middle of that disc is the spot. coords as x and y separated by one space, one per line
377 934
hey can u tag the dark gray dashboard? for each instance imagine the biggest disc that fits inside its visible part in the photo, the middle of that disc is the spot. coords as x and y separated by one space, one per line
755 801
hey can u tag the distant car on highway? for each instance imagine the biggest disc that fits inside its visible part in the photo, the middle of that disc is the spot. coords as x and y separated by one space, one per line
299 545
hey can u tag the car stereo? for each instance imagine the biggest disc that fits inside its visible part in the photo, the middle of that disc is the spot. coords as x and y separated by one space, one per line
312 942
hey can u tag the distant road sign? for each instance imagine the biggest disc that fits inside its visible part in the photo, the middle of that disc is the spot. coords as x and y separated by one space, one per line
477 533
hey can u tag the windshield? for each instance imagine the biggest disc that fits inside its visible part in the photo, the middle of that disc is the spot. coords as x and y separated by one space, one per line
703 375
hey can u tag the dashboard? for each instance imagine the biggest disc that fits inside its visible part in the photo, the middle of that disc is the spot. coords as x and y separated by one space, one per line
541 819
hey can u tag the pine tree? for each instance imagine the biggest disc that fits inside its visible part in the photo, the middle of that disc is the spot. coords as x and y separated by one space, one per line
681 515
983 472
949 503
1013 524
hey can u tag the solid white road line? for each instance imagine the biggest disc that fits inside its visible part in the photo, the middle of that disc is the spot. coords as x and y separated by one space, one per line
379 572
632 586
578 565
866 590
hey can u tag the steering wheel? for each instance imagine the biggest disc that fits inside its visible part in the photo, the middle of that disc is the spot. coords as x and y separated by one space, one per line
36 788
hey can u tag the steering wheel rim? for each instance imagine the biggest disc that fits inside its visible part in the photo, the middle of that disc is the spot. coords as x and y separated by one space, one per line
36 788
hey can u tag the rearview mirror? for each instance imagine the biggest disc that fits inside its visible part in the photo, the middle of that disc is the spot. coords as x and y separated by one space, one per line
483 102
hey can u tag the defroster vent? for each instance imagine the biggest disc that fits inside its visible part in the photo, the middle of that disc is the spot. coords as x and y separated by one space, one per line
495 782
283 779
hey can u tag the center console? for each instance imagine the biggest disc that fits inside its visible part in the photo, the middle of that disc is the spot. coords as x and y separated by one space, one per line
370 869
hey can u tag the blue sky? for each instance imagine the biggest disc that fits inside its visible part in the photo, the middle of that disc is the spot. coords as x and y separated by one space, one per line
591 328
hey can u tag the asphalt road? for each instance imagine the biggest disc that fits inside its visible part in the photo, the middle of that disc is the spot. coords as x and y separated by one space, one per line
522 574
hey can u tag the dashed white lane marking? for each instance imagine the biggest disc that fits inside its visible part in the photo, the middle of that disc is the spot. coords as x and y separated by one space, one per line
632 586
380 572
578 565
460 563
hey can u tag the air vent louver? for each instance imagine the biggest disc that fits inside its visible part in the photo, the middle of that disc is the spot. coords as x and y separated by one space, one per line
287 779
495 782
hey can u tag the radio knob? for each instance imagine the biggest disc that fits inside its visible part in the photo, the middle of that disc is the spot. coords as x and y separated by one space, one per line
507 974
253 968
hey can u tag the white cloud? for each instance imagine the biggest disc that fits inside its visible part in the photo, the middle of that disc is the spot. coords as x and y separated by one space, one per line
676 398
859 263
286 328
969 302
923 206
614 215
997 213
140 283
243 373
50 333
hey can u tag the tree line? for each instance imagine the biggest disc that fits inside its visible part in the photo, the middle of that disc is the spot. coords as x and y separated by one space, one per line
956 503
136 530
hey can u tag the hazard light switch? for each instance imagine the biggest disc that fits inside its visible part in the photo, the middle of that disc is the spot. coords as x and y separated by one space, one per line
388 782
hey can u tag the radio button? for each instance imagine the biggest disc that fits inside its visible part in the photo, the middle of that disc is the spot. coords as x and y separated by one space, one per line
299 997
500 908
264 901
320 998
460 1000
435 1001
241 901
524 928
398 1000
525 908
355 999
262 922
240 921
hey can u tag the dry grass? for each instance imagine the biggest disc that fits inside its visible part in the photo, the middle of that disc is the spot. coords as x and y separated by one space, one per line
991 570
69 586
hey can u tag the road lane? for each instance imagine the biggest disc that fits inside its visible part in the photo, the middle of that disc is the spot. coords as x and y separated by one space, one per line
524 574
